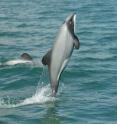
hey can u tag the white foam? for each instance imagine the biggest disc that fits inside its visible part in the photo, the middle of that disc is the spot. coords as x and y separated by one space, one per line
41 96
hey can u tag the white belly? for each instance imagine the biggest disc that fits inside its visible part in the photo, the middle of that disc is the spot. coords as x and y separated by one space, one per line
17 61
62 67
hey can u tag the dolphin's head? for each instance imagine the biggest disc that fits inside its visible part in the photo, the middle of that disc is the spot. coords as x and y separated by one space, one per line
70 22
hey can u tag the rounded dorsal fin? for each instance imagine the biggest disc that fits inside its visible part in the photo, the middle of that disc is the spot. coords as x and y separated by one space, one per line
26 56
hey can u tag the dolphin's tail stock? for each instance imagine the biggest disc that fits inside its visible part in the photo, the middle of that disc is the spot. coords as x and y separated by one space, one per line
54 87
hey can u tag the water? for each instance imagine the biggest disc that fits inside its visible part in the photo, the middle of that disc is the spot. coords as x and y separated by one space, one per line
88 87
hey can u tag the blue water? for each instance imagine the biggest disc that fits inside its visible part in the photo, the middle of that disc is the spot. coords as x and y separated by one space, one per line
88 86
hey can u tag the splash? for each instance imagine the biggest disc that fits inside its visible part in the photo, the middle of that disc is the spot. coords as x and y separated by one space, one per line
41 96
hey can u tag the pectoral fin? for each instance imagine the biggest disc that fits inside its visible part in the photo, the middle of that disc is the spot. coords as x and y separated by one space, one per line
47 58
76 42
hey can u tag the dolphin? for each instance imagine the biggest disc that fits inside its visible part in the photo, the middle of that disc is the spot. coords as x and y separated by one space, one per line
24 58
58 57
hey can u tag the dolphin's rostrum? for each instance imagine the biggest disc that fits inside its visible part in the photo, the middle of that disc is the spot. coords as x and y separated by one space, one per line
58 57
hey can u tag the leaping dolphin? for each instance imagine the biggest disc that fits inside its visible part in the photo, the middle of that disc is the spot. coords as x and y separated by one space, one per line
58 57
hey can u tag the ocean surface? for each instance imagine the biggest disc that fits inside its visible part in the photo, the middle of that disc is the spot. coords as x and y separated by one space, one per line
88 86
